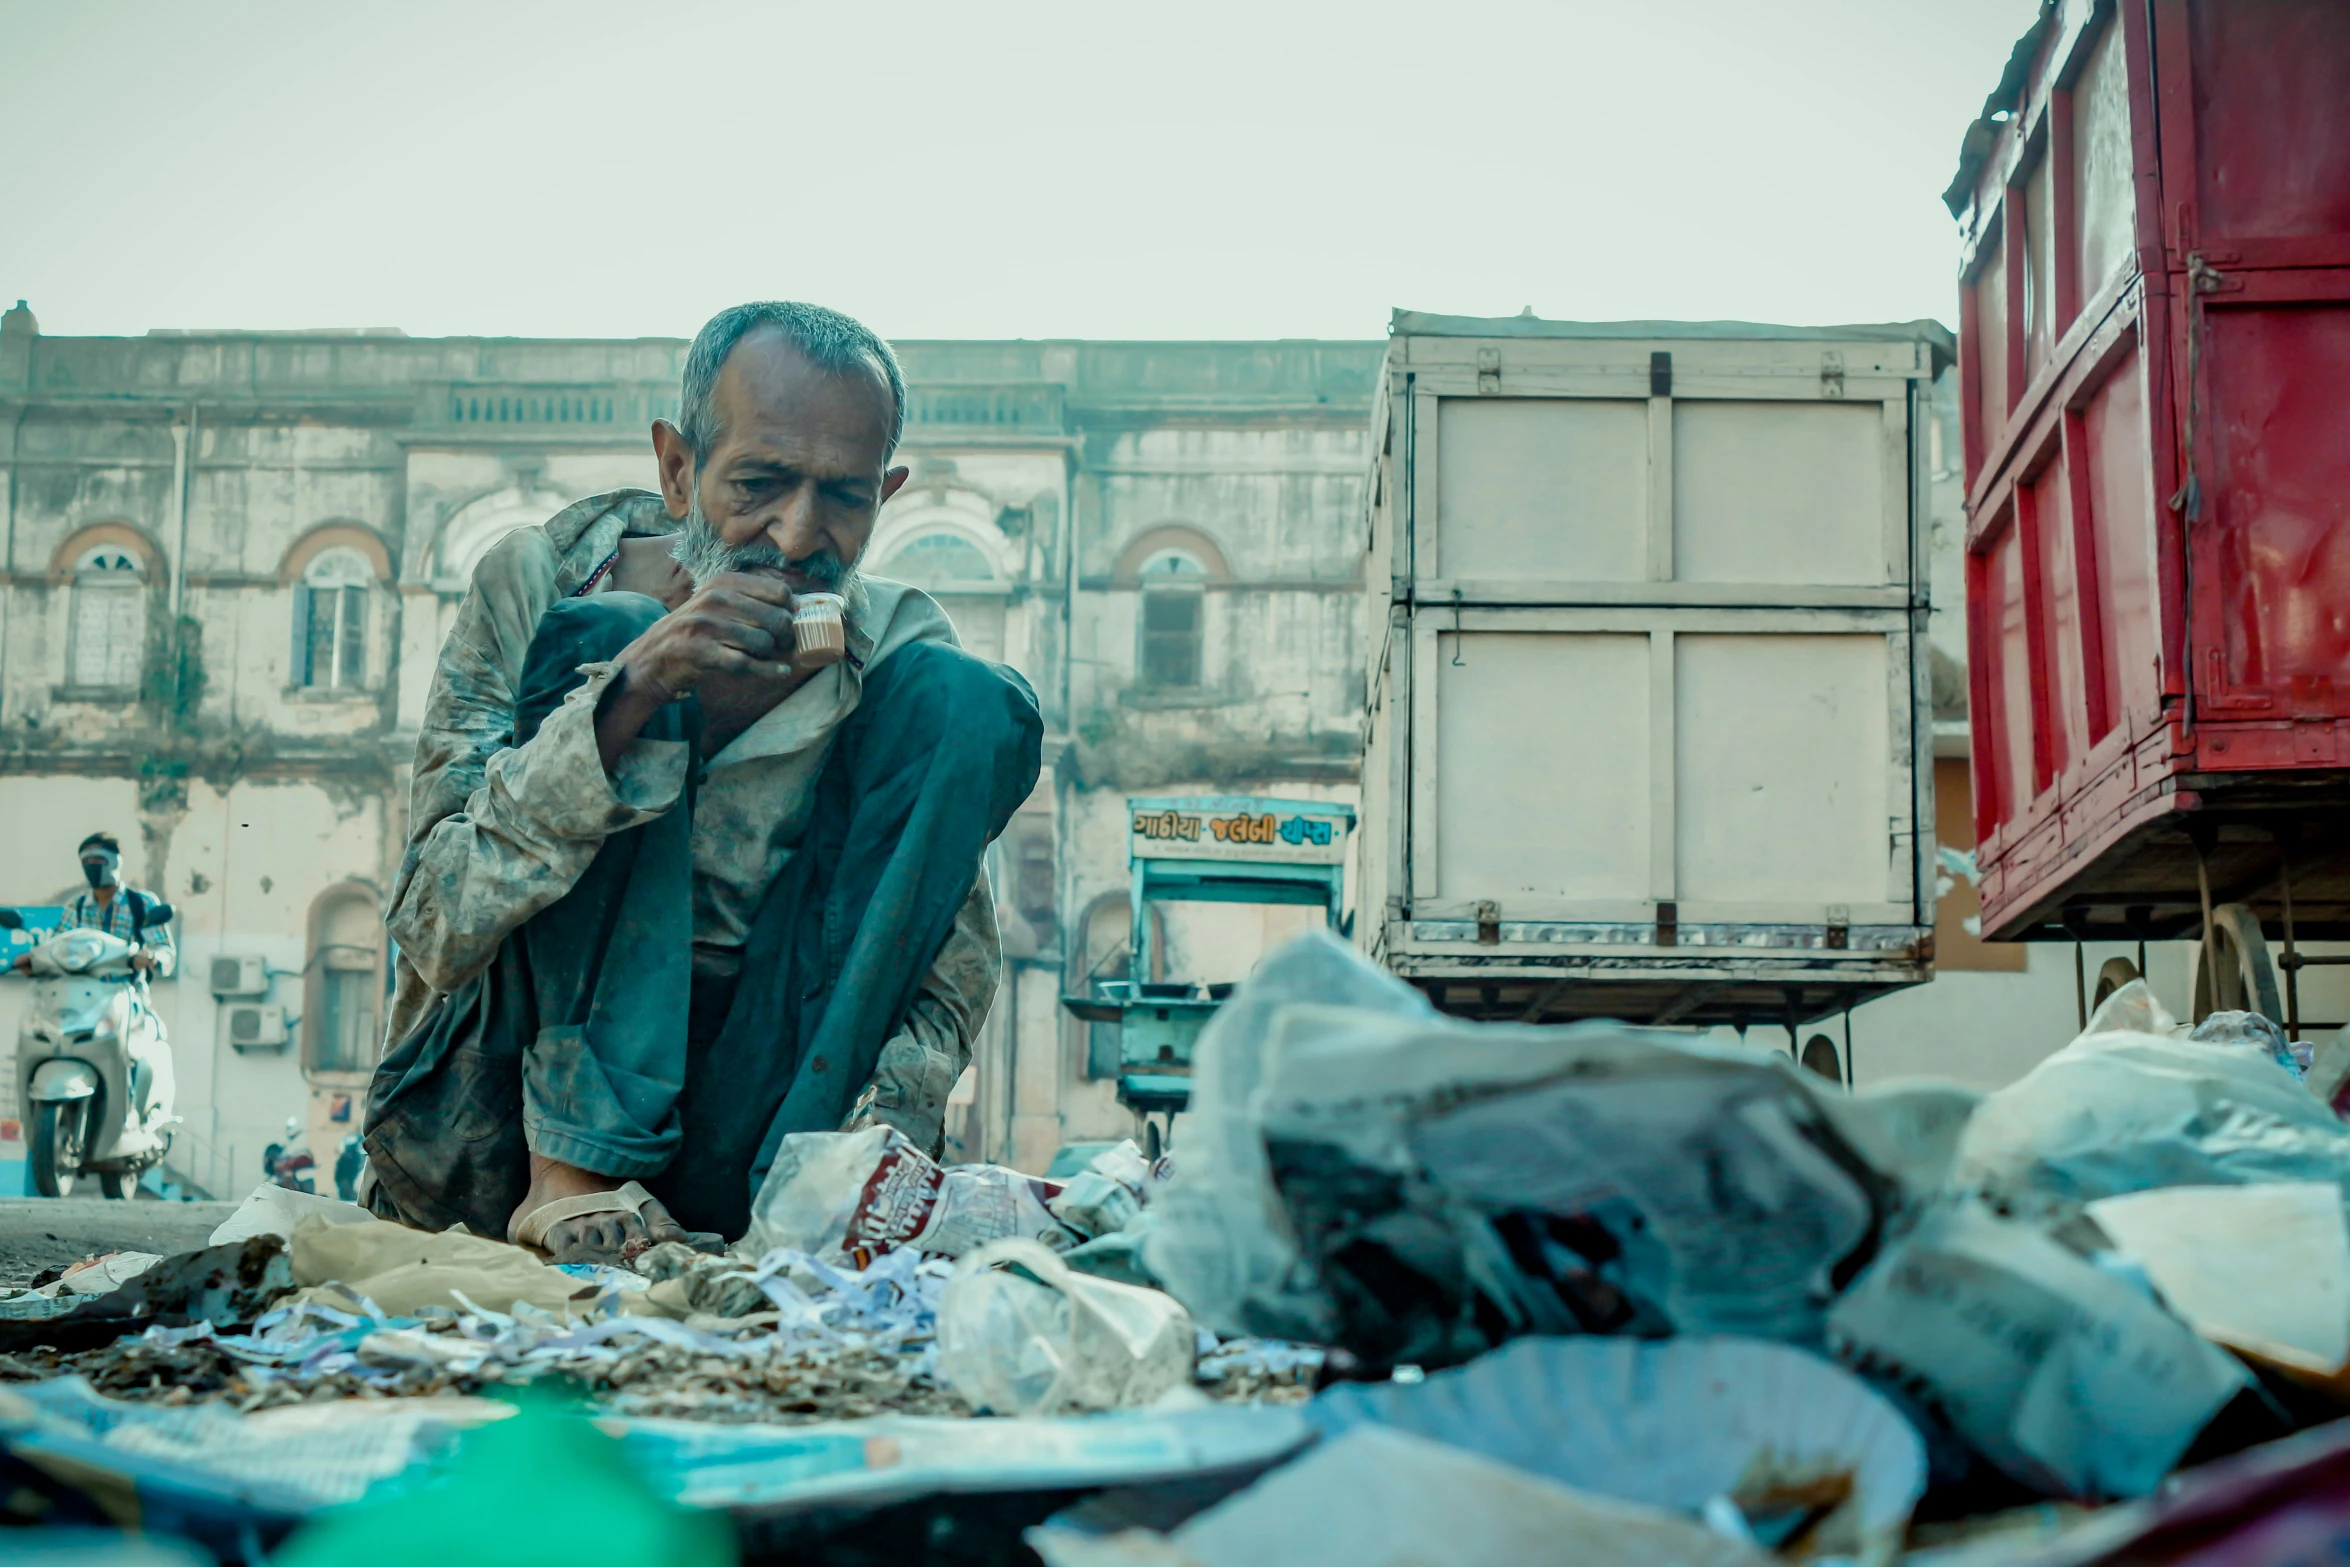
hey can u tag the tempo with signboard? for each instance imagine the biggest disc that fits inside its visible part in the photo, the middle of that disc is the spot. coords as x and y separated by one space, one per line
1204 849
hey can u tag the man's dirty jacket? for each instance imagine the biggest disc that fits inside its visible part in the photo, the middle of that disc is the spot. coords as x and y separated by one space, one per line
498 833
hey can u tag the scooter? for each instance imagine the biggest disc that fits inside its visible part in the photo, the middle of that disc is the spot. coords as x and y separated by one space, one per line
93 1063
289 1163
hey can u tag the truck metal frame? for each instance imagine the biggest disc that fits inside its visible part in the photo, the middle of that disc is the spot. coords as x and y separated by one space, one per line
1647 731
2155 355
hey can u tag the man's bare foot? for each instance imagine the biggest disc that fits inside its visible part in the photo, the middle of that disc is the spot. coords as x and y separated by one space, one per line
597 1237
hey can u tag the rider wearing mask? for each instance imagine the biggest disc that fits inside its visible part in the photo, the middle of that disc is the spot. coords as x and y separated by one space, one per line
117 910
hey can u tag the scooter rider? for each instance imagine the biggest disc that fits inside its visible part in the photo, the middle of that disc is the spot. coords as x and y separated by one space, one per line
117 910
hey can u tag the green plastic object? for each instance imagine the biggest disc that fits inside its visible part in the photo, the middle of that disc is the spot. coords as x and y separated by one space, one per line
536 1488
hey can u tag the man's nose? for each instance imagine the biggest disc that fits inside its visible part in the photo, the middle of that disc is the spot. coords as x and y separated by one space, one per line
796 528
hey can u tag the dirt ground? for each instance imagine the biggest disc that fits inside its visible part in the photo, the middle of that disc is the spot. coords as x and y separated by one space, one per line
41 1232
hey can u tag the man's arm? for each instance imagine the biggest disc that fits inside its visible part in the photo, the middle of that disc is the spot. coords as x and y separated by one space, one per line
162 949
920 1064
545 807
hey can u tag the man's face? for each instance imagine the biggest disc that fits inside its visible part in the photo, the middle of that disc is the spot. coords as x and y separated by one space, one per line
98 866
797 472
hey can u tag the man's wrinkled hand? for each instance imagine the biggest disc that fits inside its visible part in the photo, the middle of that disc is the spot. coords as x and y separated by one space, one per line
739 624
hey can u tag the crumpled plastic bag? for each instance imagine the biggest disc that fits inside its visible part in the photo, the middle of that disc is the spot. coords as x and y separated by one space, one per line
2067 1376
1222 1240
1416 1188
2131 1105
1021 1333
856 1195
2250 1031
1109 1193
403 1271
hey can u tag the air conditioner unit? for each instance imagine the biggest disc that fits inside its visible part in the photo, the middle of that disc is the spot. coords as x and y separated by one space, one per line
257 1025
239 976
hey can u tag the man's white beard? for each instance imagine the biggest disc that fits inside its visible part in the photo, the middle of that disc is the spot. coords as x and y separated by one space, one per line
705 554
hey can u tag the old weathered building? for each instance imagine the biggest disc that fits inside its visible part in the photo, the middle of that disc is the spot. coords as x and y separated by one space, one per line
230 559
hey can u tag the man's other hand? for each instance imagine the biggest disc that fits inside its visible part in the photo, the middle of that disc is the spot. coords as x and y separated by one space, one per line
143 960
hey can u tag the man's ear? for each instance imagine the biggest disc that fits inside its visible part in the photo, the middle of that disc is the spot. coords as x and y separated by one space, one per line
894 481
676 461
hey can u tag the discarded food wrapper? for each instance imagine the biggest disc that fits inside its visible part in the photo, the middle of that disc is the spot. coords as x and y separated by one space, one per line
2264 1270
1376 1497
2124 1109
1815 1462
1021 1333
1437 1185
93 1276
2062 1374
851 1196
221 1284
1109 1193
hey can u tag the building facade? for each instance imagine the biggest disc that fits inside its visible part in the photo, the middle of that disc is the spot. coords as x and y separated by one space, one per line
230 560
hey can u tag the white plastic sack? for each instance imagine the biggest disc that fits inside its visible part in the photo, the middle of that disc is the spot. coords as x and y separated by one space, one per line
271 1209
2132 1105
2062 1374
1222 1241
858 1195
1400 1183
1022 1333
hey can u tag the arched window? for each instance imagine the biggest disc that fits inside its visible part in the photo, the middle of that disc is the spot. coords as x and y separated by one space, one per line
108 645
330 621
1172 620
959 574
939 558
344 982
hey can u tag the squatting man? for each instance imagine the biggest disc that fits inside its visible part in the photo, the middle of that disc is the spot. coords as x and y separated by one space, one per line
691 867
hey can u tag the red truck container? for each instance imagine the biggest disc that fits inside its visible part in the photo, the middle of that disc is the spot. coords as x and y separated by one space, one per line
2155 362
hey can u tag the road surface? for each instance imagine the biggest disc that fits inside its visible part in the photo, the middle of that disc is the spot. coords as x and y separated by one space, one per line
47 1232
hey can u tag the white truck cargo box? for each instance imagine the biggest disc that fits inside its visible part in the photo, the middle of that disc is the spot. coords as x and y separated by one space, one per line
1648 725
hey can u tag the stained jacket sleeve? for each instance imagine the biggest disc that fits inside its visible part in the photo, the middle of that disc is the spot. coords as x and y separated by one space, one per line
920 1064
525 836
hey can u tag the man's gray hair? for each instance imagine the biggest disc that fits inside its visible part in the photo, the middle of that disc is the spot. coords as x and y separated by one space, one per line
829 340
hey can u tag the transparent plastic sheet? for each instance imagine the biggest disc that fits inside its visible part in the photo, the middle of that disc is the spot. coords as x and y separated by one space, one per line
855 1196
2067 1376
1416 1188
1221 1241
1021 1333
2133 1105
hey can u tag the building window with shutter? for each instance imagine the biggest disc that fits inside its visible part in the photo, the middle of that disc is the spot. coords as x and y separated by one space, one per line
345 982
107 643
1173 621
330 622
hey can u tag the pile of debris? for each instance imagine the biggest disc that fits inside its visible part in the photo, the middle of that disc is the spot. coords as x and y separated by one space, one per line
1670 1300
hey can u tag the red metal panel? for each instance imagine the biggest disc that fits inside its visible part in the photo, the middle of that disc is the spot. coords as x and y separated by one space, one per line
2277 548
2122 519
2271 82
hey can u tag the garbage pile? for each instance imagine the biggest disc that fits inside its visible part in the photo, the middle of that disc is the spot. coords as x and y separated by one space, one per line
1411 1289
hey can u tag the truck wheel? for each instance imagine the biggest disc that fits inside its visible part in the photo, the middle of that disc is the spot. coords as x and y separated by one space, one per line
2238 976
121 1185
54 1152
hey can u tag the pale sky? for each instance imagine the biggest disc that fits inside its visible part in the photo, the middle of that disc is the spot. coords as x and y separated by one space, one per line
982 168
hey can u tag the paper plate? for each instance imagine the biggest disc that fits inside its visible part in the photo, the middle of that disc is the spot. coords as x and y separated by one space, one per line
1675 1423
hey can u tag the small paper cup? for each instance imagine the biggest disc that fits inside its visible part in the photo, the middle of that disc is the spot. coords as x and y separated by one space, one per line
820 622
